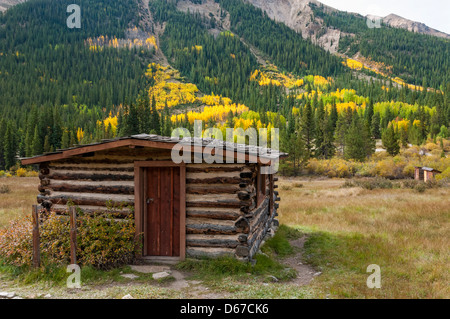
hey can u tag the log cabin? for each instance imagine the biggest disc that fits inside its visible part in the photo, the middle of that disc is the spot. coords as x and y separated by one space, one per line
180 210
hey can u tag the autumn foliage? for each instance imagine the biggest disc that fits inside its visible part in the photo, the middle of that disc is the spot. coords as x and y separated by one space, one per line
16 242
102 242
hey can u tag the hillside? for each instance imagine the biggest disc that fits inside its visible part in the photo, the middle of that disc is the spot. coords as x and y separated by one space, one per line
6 4
399 22
150 66
347 34
298 15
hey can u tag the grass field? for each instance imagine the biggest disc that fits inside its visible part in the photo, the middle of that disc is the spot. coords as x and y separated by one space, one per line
17 202
405 232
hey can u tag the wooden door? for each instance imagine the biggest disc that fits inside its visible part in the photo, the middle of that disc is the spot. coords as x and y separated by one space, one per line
163 211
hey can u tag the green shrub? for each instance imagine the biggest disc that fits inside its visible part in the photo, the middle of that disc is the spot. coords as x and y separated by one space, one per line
432 183
289 232
4 189
444 175
421 188
279 243
102 242
380 164
408 171
105 243
55 239
286 169
410 183
16 242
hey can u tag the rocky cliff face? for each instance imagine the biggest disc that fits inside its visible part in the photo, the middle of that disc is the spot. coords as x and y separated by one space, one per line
6 4
398 22
298 15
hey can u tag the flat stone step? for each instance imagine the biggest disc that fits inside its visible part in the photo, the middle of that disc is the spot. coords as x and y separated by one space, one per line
160 260
149 269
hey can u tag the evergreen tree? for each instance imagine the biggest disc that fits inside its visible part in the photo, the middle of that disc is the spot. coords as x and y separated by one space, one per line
343 123
368 114
166 127
415 135
294 144
29 142
355 146
65 140
403 136
37 145
333 114
442 148
307 128
375 126
9 147
132 122
320 127
328 143
47 146
369 141
144 112
390 140
3 127
155 119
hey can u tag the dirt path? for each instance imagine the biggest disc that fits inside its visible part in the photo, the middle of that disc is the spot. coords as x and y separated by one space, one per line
305 272
192 288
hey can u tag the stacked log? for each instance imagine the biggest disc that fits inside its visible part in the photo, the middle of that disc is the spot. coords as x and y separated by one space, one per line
227 221
98 182
217 198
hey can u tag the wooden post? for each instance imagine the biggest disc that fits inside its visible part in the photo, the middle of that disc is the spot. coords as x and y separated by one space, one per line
36 239
73 235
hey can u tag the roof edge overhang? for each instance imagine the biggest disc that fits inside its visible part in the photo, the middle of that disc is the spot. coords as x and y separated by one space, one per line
136 142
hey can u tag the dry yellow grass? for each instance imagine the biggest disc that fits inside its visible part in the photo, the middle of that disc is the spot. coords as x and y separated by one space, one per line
17 203
404 232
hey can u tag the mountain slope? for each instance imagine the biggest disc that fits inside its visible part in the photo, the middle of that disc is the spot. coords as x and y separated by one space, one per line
298 15
6 4
399 22
78 74
60 86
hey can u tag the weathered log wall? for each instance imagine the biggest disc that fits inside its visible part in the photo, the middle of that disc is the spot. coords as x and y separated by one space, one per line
217 200
100 182
222 215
